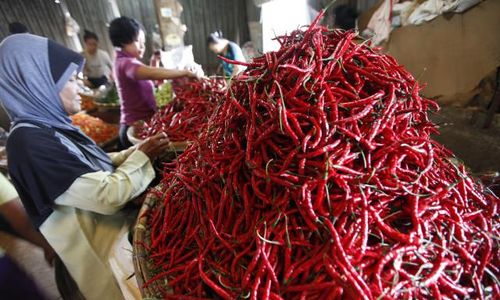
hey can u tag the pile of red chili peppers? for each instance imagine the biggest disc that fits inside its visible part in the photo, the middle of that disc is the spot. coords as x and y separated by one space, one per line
184 117
317 178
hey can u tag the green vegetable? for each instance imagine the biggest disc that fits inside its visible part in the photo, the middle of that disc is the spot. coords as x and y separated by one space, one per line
164 94
112 96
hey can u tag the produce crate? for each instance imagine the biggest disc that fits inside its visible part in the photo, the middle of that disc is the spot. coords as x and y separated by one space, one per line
109 116
142 266
107 107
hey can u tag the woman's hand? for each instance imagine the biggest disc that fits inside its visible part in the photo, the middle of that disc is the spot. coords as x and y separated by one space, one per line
191 74
155 146
195 71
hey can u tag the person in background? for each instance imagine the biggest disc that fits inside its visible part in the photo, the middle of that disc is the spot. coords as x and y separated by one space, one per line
13 212
72 190
155 62
16 27
98 66
134 79
14 282
221 46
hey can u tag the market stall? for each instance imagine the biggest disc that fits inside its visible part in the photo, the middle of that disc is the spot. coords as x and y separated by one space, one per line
317 177
100 132
100 115
314 171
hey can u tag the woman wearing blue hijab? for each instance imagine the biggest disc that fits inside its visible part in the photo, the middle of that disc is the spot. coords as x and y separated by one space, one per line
72 190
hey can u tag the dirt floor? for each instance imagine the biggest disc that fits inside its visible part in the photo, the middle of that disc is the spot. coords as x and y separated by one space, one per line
461 131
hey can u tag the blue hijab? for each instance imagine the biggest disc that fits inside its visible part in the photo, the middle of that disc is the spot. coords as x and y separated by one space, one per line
33 71
46 152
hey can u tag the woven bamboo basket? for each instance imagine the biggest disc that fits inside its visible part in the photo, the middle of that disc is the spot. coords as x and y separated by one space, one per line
144 270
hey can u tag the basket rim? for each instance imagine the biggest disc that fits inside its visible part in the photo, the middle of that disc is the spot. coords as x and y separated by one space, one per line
132 137
140 238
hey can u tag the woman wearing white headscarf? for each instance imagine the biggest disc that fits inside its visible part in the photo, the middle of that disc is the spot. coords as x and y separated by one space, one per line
71 189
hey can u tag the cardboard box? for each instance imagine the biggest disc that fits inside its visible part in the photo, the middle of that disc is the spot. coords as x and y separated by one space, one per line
453 53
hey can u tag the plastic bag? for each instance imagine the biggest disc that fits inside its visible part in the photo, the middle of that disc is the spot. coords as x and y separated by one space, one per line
181 58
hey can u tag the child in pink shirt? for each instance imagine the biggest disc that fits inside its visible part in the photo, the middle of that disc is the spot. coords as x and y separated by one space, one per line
134 79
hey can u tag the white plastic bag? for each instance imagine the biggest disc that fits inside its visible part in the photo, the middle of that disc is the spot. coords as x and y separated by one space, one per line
181 58
463 5
430 9
177 58
379 27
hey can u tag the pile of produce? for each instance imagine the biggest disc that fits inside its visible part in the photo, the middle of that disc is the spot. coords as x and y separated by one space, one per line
317 178
87 103
164 94
95 128
109 95
184 117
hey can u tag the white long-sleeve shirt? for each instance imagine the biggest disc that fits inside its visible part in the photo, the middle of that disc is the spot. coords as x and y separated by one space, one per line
87 220
98 64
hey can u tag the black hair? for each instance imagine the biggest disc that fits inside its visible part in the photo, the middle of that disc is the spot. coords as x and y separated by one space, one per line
345 17
87 35
16 27
215 37
123 30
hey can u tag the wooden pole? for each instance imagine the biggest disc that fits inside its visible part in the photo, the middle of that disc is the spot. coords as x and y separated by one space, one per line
158 20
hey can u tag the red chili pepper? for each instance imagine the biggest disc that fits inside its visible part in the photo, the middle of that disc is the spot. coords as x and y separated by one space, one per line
315 176
220 291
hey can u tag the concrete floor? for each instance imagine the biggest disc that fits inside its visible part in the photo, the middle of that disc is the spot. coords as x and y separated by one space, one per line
461 131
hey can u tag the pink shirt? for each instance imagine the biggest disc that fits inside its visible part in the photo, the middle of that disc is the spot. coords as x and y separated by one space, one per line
137 96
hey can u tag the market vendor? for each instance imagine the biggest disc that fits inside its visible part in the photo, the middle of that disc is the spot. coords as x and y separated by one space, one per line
155 61
133 78
98 66
72 190
230 50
